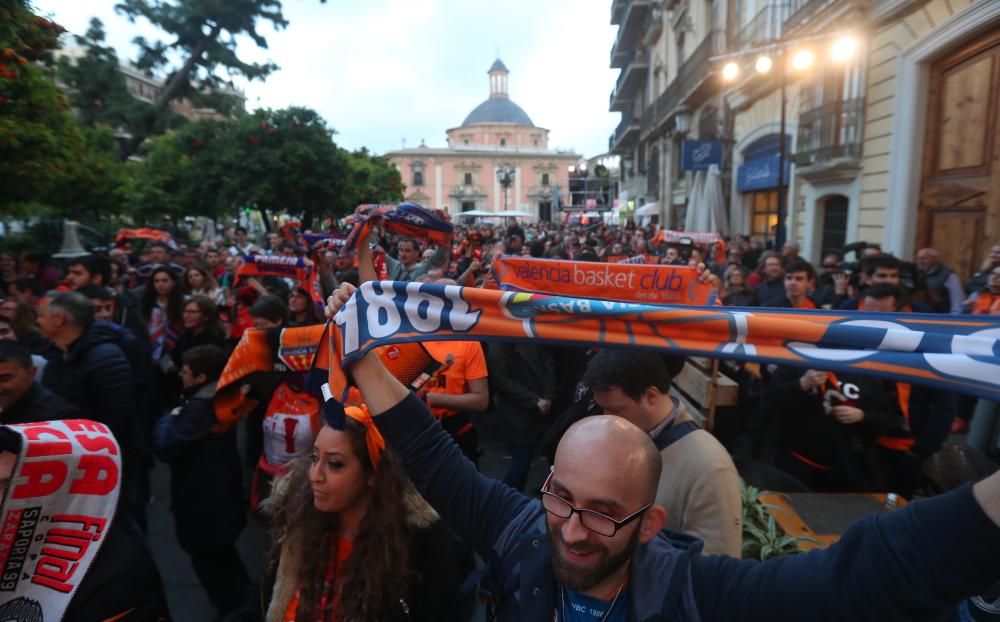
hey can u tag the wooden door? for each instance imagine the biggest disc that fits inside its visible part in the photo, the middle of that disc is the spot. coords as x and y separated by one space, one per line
959 210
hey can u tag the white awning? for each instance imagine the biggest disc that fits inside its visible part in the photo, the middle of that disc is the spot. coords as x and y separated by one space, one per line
649 209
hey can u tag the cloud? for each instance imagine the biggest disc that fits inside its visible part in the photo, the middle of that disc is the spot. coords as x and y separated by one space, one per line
381 71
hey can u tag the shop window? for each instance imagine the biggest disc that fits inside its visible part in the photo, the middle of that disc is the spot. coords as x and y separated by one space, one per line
763 213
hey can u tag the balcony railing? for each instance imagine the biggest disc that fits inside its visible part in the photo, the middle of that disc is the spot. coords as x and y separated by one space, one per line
800 11
617 11
765 27
833 130
695 71
631 29
629 125
542 192
463 190
627 78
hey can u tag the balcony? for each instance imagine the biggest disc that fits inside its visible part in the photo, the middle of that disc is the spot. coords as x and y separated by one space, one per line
543 193
765 27
632 76
630 30
695 80
624 136
801 11
617 11
830 137
463 191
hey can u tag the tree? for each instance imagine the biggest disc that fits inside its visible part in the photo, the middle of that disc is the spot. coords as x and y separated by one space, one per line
38 139
204 34
373 180
275 161
98 92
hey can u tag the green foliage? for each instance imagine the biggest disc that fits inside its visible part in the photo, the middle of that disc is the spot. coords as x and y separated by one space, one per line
762 538
98 91
49 165
203 34
277 161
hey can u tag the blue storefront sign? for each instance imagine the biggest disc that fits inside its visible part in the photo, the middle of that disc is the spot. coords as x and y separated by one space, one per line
760 174
698 155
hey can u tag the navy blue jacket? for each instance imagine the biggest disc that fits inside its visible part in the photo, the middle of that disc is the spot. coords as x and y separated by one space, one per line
915 563
206 483
94 374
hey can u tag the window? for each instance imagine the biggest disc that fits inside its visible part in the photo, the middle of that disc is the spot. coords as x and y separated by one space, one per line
468 206
835 224
468 179
545 179
465 141
536 142
763 213
418 178
503 142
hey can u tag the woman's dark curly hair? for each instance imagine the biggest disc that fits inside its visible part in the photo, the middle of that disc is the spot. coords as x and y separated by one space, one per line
375 576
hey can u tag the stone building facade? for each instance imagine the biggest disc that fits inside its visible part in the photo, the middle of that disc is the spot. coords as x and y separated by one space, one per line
497 135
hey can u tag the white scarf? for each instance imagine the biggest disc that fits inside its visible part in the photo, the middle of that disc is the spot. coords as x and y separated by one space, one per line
56 514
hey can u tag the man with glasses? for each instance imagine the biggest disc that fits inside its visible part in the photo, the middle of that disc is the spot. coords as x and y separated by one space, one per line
698 483
556 560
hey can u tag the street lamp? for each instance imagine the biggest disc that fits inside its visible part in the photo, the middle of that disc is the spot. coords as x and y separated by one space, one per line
842 50
505 177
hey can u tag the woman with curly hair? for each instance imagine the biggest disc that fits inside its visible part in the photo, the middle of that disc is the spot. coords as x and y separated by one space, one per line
353 540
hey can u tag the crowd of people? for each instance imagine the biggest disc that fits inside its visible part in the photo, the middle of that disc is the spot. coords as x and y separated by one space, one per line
379 520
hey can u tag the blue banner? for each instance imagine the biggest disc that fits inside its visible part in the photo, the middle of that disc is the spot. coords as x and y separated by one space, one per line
760 174
698 155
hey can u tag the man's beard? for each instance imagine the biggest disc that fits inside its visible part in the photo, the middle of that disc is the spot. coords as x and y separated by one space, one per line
580 579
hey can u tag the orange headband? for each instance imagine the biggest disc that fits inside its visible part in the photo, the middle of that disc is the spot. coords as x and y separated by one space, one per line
373 438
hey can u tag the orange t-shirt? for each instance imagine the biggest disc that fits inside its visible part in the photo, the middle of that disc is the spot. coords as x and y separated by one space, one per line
344 548
461 361
986 304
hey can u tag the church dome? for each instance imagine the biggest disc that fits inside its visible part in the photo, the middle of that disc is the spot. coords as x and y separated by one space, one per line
498 108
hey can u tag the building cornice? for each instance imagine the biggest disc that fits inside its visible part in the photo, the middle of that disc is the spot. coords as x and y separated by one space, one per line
498 152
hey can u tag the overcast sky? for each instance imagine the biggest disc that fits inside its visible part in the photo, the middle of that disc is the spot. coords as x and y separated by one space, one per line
381 71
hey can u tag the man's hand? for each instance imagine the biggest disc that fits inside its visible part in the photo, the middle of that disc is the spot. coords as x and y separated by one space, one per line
847 414
544 406
338 299
812 379
707 276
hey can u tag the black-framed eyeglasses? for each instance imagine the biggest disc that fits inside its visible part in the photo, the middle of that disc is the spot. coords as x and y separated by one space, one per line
600 524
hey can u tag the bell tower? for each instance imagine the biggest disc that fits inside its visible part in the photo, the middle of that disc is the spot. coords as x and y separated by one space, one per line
498 80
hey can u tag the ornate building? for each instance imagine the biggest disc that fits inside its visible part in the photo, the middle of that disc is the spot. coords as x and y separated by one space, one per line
466 175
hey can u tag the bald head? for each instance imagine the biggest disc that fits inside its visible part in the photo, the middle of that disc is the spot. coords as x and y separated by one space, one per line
608 449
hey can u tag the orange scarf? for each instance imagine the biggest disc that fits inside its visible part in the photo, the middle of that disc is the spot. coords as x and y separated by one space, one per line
338 557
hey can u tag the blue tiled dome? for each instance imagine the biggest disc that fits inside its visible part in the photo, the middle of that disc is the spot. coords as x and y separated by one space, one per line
498 110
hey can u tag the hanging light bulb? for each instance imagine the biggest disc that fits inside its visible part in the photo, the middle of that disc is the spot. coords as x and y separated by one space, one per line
730 71
763 64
